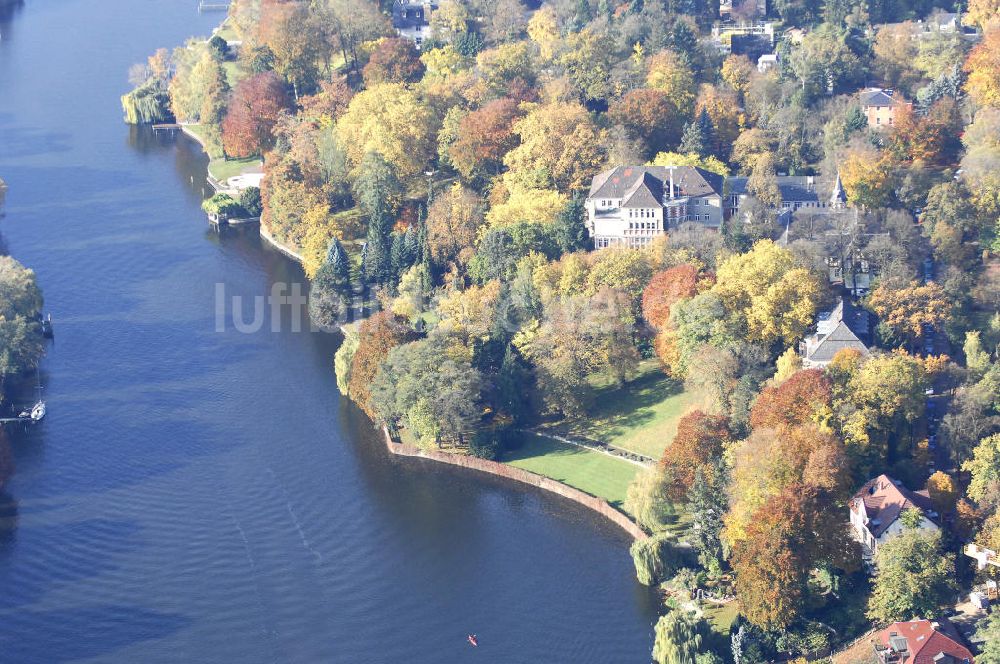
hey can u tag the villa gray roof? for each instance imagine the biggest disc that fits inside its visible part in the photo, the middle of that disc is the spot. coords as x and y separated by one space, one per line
624 181
647 192
878 98
849 325
794 188
411 13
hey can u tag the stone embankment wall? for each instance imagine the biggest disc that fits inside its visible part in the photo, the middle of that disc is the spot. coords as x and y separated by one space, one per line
518 475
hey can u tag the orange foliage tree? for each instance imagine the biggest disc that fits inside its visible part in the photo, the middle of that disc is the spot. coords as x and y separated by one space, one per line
378 335
665 289
799 400
699 442
257 102
394 60
484 137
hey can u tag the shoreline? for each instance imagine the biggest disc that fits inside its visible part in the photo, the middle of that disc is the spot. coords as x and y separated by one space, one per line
264 233
495 468
498 469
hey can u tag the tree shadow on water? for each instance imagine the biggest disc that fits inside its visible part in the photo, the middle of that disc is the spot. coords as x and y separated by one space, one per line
68 635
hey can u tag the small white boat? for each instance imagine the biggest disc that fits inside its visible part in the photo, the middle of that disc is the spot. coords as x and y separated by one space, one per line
38 412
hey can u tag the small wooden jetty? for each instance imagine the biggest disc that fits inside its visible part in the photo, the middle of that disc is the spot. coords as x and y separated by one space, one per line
218 222
210 6
166 126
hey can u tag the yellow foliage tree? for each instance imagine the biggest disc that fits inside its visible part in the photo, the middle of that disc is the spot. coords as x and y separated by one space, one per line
668 72
983 67
709 163
561 148
543 29
867 177
393 121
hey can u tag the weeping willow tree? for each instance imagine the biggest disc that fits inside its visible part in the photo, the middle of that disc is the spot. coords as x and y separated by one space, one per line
146 104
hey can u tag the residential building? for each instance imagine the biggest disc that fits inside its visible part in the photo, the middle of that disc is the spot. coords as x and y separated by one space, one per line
797 192
876 509
767 62
751 39
921 642
881 106
744 8
412 19
846 326
632 205
852 272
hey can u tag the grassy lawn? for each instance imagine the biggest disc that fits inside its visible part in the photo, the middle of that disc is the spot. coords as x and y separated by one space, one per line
641 417
233 72
223 169
598 474
227 31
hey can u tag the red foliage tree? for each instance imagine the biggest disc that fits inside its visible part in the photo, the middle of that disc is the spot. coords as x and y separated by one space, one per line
699 442
394 60
665 289
792 533
484 137
649 116
793 403
256 104
379 334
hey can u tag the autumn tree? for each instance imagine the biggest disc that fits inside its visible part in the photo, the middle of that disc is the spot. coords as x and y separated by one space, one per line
886 394
666 288
394 60
393 121
803 398
483 137
768 293
913 579
697 445
649 116
298 39
668 72
867 176
256 104
378 335
944 492
763 182
452 222
984 467
911 310
790 535
770 461
983 68
560 148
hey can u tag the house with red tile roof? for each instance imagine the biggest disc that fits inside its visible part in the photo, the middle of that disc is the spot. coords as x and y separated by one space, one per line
921 642
877 506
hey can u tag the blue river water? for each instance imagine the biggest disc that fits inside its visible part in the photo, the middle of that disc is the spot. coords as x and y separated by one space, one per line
206 496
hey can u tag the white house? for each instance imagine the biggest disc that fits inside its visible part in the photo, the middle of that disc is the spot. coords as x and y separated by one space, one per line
631 205
412 19
877 506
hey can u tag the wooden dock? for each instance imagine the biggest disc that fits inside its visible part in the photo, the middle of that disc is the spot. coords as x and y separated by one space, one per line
209 6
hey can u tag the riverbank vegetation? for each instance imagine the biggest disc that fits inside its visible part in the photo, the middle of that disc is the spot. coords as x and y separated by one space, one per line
449 183
21 339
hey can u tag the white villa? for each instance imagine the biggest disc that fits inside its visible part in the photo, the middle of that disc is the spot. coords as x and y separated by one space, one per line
631 205
412 19
877 506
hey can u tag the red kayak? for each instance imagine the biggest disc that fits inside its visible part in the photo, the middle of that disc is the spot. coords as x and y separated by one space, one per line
473 640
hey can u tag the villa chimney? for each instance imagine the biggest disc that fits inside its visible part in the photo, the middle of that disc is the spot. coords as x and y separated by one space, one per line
671 183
